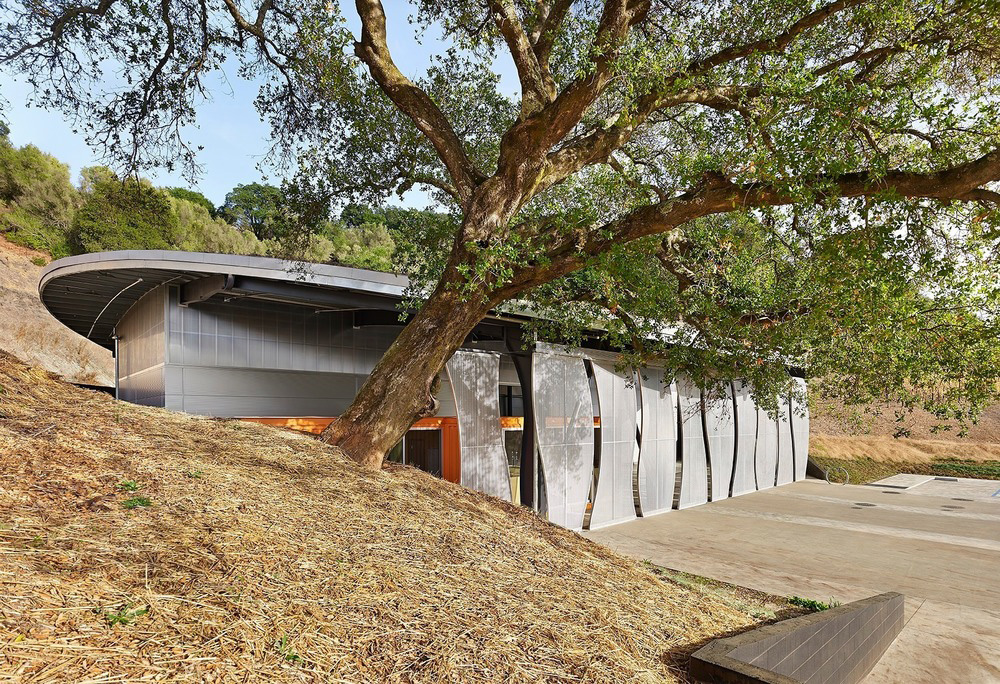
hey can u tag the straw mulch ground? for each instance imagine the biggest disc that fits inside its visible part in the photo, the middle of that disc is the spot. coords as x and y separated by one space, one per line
266 556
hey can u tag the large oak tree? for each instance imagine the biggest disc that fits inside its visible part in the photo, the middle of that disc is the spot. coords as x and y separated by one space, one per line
731 185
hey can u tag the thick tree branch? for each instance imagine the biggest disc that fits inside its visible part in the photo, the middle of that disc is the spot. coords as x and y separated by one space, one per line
543 35
552 124
716 194
597 145
373 50
983 195
536 90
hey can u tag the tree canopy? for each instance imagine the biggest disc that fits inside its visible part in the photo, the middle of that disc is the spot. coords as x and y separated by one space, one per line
194 197
122 214
734 186
255 207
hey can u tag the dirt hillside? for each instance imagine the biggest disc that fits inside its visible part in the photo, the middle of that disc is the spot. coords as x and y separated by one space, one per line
29 332
137 542
831 418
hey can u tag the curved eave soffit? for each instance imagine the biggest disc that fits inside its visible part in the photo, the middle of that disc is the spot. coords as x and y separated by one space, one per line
90 293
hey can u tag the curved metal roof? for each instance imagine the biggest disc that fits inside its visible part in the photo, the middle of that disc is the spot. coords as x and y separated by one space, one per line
90 293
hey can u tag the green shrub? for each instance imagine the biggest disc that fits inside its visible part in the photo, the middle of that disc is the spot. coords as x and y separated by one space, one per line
125 214
137 502
37 199
812 604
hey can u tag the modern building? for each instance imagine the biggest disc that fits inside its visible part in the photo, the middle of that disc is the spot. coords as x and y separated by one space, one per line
559 429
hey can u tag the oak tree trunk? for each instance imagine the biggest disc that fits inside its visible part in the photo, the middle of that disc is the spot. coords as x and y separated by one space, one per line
400 389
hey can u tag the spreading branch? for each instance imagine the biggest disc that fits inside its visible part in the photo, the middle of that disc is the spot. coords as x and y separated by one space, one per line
537 87
773 44
717 194
373 50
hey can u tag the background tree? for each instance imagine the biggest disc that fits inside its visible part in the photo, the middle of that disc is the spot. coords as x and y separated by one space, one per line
37 199
737 184
255 207
194 197
119 214
199 231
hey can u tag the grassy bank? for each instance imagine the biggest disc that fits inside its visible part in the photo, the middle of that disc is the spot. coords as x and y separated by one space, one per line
137 543
871 458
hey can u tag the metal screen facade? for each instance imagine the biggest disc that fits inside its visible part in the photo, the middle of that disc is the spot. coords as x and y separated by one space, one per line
694 454
786 463
564 428
766 455
475 381
800 429
613 500
720 426
658 442
744 480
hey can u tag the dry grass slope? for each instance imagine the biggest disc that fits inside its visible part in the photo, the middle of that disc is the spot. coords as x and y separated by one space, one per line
30 332
267 556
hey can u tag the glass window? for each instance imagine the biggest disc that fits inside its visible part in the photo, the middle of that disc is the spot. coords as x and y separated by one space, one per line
423 450
396 453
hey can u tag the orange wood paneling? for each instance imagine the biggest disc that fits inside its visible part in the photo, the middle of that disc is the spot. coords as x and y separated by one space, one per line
451 452
312 424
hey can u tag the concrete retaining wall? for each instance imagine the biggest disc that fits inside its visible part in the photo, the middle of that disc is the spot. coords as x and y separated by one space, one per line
836 646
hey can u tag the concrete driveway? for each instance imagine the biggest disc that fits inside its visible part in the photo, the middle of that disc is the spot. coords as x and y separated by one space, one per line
936 542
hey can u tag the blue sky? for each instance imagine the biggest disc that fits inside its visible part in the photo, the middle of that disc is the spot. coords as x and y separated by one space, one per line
230 130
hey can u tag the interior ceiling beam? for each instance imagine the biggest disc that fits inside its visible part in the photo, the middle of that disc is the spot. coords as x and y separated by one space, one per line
205 288
296 293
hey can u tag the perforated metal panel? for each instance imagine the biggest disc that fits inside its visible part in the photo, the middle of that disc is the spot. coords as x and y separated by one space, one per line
613 501
766 455
658 443
800 431
475 381
564 427
694 462
744 480
720 425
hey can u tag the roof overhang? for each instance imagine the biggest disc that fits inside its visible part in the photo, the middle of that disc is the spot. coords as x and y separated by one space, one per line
90 293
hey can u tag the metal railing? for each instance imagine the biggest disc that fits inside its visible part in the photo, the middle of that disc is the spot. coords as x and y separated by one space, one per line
847 475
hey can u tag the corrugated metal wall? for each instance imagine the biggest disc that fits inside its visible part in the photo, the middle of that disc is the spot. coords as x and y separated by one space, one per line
766 451
658 443
786 463
744 481
720 426
694 451
800 429
141 351
255 358
564 428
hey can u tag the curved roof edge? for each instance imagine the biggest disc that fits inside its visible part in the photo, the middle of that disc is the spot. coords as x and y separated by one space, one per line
359 279
89 293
